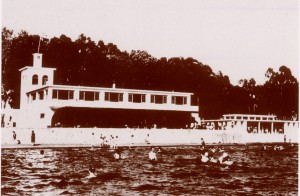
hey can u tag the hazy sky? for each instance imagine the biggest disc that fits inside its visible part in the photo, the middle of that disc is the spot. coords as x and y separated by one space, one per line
241 38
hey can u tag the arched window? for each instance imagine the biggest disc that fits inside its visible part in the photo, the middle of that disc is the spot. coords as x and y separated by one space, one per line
35 79
45 80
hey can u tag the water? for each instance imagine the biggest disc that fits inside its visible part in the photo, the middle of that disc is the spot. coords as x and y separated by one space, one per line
63 171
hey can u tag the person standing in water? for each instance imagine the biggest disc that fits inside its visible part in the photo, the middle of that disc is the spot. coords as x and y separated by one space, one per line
152 155
33 138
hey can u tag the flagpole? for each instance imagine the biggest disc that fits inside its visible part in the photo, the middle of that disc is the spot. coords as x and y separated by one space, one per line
39 45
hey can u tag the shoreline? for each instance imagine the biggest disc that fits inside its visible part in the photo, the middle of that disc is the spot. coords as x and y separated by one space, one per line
53 146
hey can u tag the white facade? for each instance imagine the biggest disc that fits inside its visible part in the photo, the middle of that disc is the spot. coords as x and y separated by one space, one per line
40 97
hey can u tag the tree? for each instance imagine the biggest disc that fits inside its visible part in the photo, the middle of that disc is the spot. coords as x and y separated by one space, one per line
83 62
281 87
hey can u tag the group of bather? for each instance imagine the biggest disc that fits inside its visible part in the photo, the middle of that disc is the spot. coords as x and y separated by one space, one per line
215 155
212 155
109 142
277 147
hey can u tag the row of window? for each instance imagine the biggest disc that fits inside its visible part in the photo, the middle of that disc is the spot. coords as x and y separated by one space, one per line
113 97
250 118
40 95
35 79
109 96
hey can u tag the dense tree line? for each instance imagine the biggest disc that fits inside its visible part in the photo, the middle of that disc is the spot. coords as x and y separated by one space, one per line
84 62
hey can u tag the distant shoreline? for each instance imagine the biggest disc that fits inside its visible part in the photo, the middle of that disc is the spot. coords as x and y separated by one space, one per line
50 146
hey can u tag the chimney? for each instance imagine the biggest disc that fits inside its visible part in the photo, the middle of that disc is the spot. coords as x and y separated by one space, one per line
37 60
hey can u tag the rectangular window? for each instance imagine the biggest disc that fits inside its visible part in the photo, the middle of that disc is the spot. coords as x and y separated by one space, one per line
173 99
120 96
106 97
54 94
41 95
97 96
81 95
164 99
113 97
137 98
152 99
42 115
179 100
88 95
158 99
130 97
71 94
33 96
63 94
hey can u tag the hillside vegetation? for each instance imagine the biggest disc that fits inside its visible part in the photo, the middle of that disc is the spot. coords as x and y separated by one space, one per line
85 62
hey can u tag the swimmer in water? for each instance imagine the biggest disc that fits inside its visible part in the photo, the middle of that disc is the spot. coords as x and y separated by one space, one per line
280 147
117 155
213 150
159 150
91 172
225 159
202 148
204 158
152 155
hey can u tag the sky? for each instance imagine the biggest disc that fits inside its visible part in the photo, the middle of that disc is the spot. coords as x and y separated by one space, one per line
240 38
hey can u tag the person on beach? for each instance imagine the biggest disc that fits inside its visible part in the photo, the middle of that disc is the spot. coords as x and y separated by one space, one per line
131 140
101 140
33 138
147 140
14 136
152 155
116 142
202 142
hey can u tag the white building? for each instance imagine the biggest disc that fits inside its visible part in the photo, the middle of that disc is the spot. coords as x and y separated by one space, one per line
41 98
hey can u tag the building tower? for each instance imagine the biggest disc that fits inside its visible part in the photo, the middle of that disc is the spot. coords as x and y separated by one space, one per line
33 78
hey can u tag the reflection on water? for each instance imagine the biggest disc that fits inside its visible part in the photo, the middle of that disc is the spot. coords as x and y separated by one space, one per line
64 171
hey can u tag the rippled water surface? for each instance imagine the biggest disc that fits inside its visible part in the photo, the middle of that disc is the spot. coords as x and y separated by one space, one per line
178 172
